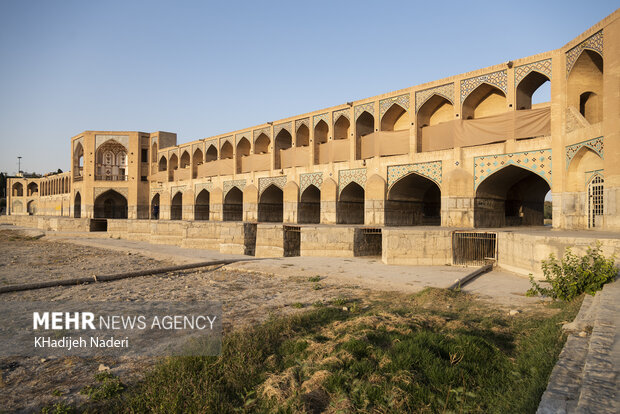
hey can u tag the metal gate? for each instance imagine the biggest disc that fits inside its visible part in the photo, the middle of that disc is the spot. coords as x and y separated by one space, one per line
595 200
473 248
367 242
292 241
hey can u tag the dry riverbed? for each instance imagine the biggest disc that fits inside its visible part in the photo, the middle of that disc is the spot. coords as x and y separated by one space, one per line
28 384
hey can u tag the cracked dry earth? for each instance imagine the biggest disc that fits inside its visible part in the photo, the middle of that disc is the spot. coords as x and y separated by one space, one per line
28 384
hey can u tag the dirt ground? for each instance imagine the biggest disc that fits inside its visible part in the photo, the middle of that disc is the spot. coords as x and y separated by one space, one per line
28 384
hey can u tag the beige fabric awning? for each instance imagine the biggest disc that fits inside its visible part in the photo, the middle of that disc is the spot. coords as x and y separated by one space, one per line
334 151
510 125
295 157
217 167
256 162
383 143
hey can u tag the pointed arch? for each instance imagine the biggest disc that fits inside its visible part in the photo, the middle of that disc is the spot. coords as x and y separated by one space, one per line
163 163
303 136
154 152
201 206
485 100
185 159
110 204
321 131
435 110
31 207
585 86
283 141
341 128
173 164
271 205
309 210
233 205
32 189
78 161
413 200
211 154
350 206
18 190
261 144
511 196
197 159
527 87
77 205
396 118
155 203
176 206
584 161
364 125
243 150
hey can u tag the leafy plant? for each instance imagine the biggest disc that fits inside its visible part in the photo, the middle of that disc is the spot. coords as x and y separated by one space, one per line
109 386
573 275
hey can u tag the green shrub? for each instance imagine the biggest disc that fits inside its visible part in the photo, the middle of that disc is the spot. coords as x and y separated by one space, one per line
572 275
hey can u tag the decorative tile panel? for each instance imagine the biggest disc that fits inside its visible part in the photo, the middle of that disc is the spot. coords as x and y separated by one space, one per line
265 130
306 180
498 79
211 142
245 135
204 186
97 191
287 125
342 112
228 185
537 161
431 170
177 188
173 152
447 91
300 122
227 139
595 144
345 177
265 182
594 42
385 104
368 107
158 190
542 66
322 117
591 174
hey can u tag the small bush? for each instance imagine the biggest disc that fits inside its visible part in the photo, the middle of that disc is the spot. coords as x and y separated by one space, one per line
572 275
314 279
109 386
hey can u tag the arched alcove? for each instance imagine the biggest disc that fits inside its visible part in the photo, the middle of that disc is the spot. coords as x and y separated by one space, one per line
309 211
350 206
485 100
413 200
270 205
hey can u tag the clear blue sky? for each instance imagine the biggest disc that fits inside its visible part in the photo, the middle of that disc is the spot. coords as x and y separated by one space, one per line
202 68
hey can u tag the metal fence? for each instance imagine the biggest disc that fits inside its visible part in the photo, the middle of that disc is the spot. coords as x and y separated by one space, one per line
473 248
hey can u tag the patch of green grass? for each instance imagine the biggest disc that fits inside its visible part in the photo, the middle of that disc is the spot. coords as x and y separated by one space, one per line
298 305
108 386
405 354
317 286
58 408
57 393
316 278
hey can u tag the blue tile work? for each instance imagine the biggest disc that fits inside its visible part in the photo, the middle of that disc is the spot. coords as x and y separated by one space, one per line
306 180
342 112
385 104
594 42
265 182
498 79
591 174
300 122
228 185
368 107
245 135
204 186
537 161
265 130
542 66
287 125
322 117
345 177
430 170
227 139
447 91
596 144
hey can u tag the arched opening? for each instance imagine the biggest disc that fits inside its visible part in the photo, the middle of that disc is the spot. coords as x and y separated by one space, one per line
176 207
341 128
309 211
320 137
512 196
412 201
227 151
173 164
485 100
350 206
233 205
527 87
434 111
243 150
163 163
18 207
270 205
395 119
154 152
32 207
111 205
18 190
77 206
211 154
155 207
111 159
585 86
185 159
197 160
261 145
201 206
283 141
303 136
364 125
78 161
595 200
584 165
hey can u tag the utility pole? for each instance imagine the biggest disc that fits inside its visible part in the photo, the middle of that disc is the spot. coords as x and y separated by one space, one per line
19 164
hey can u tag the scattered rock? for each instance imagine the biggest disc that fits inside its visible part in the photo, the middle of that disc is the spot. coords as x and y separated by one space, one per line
583 334
344 308
514 312
103 368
